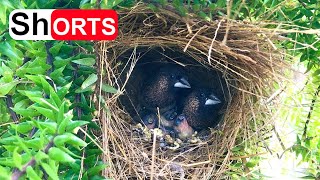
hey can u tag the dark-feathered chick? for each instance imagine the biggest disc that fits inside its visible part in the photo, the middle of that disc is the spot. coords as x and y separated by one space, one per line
161 89
202 108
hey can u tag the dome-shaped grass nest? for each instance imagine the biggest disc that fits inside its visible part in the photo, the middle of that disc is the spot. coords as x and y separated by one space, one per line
248 66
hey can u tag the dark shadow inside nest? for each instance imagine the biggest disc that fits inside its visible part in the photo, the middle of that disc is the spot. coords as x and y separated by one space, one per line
150 60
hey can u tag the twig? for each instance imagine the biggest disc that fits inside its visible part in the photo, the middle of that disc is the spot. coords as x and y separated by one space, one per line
49 58
154 148
315 96
217 159
17 174
185 48
246 169
77 96
229 5
7 30
278 137
9 103
82 158
98 4
211 45
303 4
276 94
285 150
25 60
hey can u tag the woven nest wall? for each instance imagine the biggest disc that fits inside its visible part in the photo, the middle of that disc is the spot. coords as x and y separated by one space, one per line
247 61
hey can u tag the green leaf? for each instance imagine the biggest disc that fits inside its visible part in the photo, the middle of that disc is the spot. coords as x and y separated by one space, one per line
316 73
50 126
69 138
74 124
6 87
31 94
7 73
70 152
57 73
212 6
52 174
64 122
85 61
40 81
196 7
44 4
265 1
89 81
109 89
54 50
152 7
307 142
8 50
59 62
23 146
163 2
3 15
96 169
59 155
221 3
204 16
36 96
64 90
44 103
26 44
8 140
7 3
107 4
35 143
46 112
55 98
31 174
46 86
17 159
298 140
26 112
236 148
22 127
250 164
4 173
8 162
82 2
80 90
40 156
60 116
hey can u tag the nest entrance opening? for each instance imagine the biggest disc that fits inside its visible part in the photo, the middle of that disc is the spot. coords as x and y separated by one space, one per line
142 63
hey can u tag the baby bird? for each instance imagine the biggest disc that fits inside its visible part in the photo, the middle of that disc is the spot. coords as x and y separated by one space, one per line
161 89
152 120
202 108
182 129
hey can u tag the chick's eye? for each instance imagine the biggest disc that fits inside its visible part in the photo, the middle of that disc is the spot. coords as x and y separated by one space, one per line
150 121
172 76
202 95
177 122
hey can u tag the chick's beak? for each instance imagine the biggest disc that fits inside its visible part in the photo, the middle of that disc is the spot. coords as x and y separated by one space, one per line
182 83
212 100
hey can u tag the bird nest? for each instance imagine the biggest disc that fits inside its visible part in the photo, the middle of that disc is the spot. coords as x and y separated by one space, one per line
242 53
